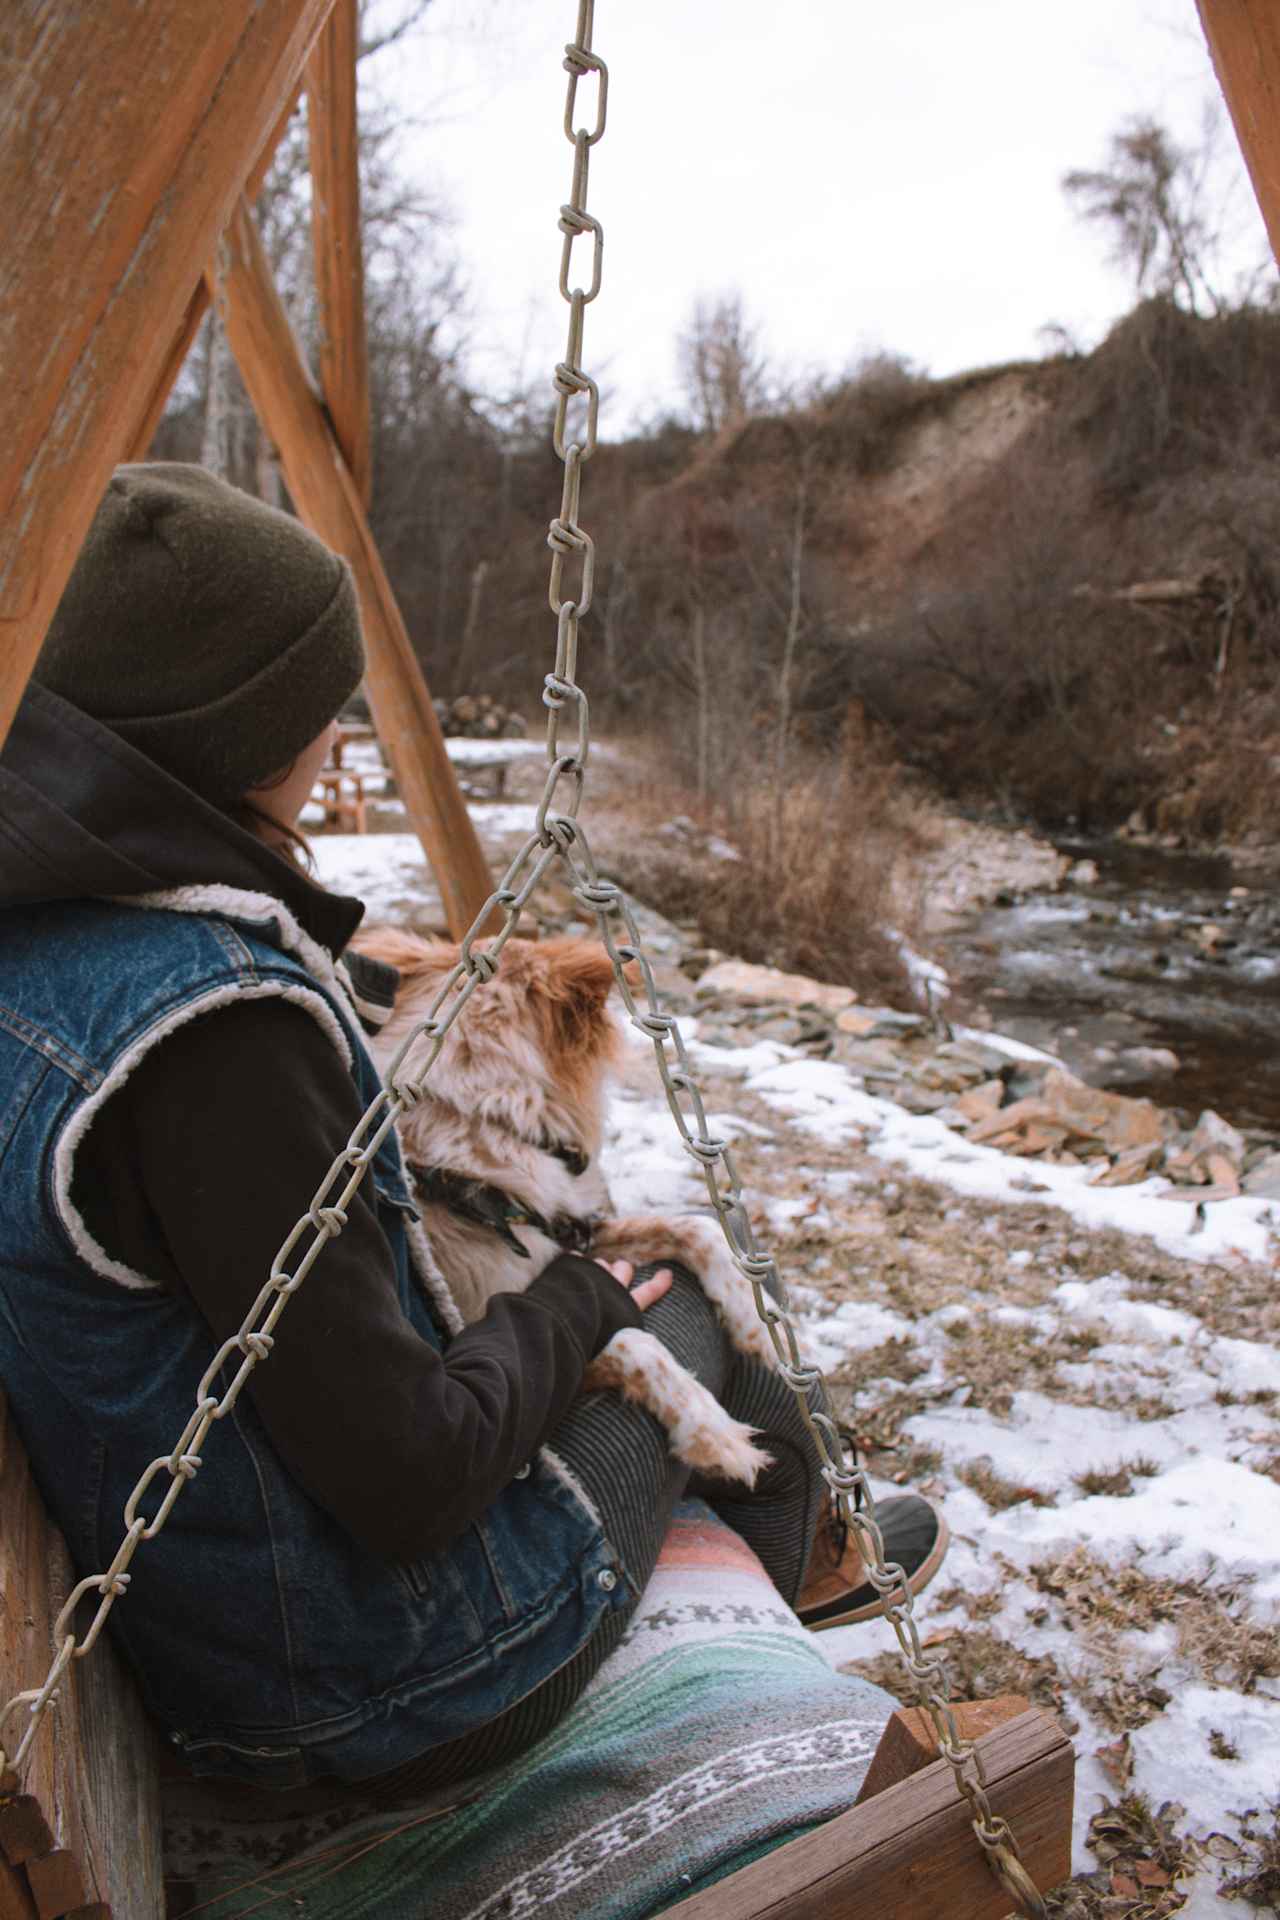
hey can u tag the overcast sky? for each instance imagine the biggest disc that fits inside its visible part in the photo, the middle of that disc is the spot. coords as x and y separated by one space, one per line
867 177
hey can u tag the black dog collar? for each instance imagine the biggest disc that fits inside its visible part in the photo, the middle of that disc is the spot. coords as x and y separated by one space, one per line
488 1206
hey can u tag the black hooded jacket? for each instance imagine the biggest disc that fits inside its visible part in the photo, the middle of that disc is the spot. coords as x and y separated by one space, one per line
198 1167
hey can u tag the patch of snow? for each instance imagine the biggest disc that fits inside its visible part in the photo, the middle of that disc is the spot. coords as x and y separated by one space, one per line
504 816
1198 1514
1004 1043
382 869
1174 1756
854 1326
488 753
1103 1300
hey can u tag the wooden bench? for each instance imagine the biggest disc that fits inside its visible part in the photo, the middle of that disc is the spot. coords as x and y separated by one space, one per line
340 791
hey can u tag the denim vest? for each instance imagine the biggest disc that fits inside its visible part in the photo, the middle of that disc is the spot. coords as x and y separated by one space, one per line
267 1643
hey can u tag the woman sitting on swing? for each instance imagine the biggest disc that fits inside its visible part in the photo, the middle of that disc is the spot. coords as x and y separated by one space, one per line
409 1551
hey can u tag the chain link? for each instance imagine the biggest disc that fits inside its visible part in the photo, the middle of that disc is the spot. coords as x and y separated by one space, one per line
558 838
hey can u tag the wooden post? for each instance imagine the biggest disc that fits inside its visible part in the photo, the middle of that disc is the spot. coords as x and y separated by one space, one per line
326 497
1244 39
335 228
123 136
86 1825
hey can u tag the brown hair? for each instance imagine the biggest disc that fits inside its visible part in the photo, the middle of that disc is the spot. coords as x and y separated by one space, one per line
286 841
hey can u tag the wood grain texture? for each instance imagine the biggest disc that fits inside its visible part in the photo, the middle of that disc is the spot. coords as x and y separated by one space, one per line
126 131
199 304
1244 39
909 1742
91 1784
910 1854
326 497
335 230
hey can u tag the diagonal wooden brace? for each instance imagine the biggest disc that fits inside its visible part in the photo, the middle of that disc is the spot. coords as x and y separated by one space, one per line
335 228
1244 39
326 496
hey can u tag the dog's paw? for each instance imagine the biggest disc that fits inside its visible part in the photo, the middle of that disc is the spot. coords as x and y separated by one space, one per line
723 1446
700 1432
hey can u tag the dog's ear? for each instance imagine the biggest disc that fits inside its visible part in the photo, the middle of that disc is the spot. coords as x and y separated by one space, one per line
574 979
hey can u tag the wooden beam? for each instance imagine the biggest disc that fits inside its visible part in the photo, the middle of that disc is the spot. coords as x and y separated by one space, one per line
199 304
335 231
86 1826
910 1853
325 495
1244 39
123 135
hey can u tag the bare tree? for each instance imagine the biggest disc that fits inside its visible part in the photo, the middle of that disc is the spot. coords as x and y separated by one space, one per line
721 364
382 27
1157 200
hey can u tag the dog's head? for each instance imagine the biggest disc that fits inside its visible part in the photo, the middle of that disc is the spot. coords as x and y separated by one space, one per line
532 1048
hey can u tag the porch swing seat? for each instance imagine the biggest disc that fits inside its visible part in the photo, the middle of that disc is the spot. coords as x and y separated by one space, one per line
723 1737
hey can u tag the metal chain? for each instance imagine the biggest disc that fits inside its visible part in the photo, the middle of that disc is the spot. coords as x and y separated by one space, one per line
558 838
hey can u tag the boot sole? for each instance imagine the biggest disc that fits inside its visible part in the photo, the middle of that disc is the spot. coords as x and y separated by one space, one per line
873 1609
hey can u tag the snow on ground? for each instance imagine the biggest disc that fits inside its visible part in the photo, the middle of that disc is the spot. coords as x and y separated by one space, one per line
378 868
1138 1556
1109 1460
825 1098
487 753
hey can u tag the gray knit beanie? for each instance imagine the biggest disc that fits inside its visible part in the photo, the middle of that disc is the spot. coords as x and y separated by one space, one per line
212 632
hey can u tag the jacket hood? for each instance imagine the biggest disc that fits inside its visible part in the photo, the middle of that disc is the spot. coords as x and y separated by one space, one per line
84 815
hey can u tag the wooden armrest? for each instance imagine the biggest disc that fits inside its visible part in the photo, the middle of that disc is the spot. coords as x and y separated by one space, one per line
910 1853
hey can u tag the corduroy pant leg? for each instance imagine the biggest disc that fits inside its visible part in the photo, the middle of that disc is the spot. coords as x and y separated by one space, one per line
621 1456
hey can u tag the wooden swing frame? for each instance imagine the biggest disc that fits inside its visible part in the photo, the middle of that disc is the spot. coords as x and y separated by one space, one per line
135 134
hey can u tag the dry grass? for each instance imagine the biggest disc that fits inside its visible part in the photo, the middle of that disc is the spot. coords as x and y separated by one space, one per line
980 1665
998 1491
995 1360
809 888
1217 1636
1142 1858
1118 1480
1259 1879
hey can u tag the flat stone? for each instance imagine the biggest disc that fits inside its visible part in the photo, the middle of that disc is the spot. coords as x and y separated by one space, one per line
1150 1059
859 1021
948 1076
870 1057
1128 1168
1096 1122
979 1102
1263 1180
990 1059
917 1099
879 1023
762 984
1214 1135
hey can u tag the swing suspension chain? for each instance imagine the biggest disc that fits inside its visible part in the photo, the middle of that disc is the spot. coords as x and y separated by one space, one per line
558 838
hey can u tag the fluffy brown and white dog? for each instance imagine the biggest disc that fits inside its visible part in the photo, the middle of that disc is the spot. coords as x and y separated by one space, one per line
504 1152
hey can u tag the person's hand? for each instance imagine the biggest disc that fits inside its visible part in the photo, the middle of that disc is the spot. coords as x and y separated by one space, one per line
648 1291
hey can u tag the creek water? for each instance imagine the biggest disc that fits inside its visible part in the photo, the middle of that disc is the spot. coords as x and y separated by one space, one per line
1163 951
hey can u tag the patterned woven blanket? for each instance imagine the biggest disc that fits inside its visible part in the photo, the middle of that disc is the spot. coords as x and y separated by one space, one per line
715 1732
